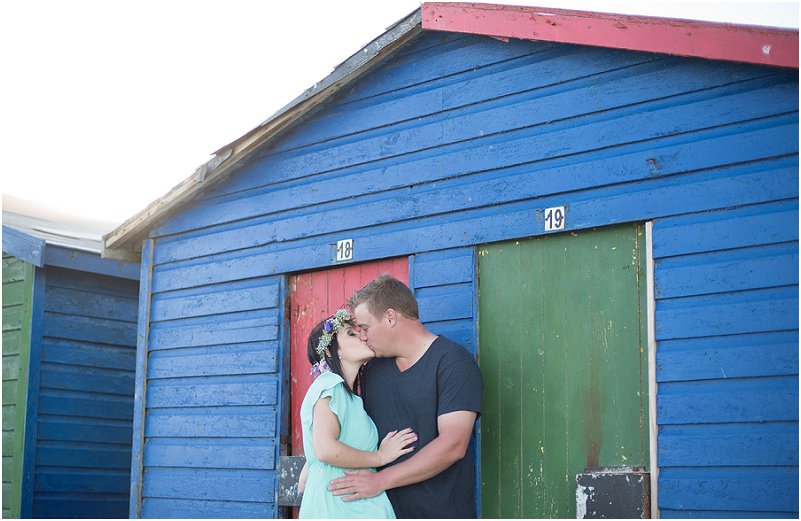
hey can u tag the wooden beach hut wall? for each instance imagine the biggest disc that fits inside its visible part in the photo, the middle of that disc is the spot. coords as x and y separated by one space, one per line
603 208
69 339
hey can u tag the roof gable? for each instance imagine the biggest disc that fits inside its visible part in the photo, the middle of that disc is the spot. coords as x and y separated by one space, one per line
503 22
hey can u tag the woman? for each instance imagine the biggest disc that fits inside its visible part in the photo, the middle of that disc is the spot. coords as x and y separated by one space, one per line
337 432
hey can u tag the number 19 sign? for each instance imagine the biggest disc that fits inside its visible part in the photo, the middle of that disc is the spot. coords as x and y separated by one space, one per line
554 218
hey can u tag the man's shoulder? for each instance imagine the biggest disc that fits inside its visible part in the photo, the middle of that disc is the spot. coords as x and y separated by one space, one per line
450 350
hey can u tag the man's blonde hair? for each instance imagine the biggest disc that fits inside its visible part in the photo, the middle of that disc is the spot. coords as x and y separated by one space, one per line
386 292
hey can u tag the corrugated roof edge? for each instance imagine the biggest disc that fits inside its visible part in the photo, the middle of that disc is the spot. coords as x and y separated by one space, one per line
494 20
121 243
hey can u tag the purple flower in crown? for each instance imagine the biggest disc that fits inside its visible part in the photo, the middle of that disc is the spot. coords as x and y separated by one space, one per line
328 327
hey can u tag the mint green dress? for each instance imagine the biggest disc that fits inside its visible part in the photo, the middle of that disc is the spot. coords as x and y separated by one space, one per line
355 429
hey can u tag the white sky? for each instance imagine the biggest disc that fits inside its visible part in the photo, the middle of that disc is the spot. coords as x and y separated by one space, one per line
107 104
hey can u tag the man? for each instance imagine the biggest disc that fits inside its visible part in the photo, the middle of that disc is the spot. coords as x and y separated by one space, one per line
423 381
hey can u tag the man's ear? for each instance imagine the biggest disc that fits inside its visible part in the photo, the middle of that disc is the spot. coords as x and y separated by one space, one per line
391 316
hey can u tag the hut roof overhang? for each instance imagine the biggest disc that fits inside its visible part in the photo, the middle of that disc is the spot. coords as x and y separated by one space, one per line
709 40
42 242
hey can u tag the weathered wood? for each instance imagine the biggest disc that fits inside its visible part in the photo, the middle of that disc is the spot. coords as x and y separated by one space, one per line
211 453
222 422
289 468
613 494
729 400
768 46
563 358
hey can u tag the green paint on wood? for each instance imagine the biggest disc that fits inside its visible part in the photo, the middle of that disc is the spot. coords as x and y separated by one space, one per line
563 350
18 278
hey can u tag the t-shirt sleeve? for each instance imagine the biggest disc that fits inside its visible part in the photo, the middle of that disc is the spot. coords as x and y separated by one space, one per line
459 386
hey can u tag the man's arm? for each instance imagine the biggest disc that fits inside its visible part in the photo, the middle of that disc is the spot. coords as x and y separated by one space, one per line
443 451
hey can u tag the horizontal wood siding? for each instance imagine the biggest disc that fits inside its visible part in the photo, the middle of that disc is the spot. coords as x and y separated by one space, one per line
18 278
726 288
85 396
461 140
211 400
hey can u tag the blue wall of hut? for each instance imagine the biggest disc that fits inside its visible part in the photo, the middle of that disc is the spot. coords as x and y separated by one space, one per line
457 141
76 456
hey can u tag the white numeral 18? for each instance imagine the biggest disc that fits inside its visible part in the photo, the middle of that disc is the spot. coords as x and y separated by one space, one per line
344 250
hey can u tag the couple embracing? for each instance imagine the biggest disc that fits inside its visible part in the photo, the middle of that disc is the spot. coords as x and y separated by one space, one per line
420 394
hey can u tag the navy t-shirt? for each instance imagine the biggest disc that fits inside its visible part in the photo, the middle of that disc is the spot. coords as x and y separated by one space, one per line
446 379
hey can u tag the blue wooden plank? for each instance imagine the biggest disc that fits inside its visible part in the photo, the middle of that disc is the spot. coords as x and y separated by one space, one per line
449 302
89 405
763 489
212 391
102 506
160 508
229 331
211 453
32 408
89 329
23 246
615 92
460 331
284 370
753 311
209 484
140 384
452 105
214 302
81 455
85 430
734 356
436 62
73 259
727 271
731 400
88 354
727 445
89 304
83 281
763 181
232 359
223 422
756 225
496 80
88 379
724 514
557 140
443 267
106 481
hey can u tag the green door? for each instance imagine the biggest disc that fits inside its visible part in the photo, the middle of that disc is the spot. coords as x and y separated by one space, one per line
563 347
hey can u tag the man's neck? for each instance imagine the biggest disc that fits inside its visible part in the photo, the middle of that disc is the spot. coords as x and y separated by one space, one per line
415 345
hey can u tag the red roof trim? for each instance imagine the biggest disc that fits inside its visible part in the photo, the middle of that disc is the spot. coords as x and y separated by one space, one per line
717 41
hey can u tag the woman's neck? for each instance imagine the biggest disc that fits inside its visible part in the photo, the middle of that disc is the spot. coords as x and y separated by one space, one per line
349 373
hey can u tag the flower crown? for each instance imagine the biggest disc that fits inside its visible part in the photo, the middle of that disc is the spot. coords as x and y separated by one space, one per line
331 327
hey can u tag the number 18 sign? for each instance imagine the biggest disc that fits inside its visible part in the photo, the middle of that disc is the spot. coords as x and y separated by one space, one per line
554 218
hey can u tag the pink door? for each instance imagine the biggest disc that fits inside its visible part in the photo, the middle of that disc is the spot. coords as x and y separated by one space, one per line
315 296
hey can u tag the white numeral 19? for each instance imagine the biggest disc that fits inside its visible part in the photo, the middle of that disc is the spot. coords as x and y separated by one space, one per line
555 218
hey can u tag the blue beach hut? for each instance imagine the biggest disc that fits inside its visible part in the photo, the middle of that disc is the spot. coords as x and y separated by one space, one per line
69 338
603 209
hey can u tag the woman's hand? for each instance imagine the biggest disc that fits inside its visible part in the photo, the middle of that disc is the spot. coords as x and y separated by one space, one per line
394 445
303 478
